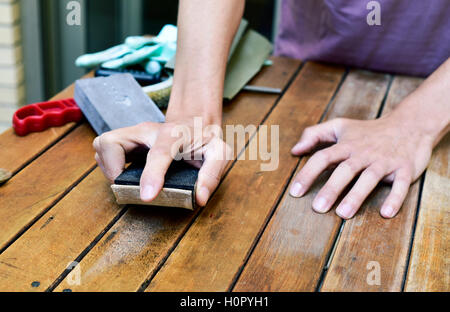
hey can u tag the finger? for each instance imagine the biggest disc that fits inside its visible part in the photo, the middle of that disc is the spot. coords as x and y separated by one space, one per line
312 136
340 178
318 162
111 155
397 196
113 146
217 155
99 162
359 192
159 159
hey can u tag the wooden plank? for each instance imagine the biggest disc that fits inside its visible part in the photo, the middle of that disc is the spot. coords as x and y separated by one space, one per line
40 255
293 249
430 258
368 241
214 249
29 193
141 239
253 106
19 151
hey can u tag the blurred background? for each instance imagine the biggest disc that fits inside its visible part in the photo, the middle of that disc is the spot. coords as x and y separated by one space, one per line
38 47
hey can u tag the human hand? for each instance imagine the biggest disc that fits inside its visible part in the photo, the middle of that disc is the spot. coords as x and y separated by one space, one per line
388 149
162 143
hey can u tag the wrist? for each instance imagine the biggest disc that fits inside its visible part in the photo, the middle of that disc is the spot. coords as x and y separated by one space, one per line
185 109
413 117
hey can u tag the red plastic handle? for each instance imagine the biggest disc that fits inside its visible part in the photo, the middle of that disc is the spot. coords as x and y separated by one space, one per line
40 116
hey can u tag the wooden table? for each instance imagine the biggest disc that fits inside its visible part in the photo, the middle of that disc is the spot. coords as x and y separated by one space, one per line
58 209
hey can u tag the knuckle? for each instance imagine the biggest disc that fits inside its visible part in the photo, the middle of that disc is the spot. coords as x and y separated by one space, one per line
145 124
352 165
323 156
159 150
395 197
355 197
404 180
372 173
304 176
340 122
376 171
309 131
329 191
211 176
96 143
106 139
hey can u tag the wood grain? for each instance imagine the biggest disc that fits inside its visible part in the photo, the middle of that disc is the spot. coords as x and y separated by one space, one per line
42 253
368 239
214 249
430 258
58 244
293 249
17 151
29 193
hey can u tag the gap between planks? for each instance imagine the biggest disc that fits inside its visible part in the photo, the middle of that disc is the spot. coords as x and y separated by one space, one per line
238 274
22 151
315 85
429 266
256 275
185 229
389 239
256 103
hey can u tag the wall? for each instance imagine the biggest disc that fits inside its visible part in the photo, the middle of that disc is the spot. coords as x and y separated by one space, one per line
12 90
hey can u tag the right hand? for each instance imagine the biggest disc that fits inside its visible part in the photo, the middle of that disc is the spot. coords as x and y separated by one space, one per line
115 148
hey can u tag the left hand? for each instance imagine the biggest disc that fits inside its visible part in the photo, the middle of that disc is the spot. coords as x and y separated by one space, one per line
387 149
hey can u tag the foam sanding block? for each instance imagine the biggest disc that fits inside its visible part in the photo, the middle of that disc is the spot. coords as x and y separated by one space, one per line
118 101
178 191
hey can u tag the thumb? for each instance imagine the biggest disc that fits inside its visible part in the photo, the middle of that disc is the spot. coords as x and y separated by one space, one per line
312 136
158 161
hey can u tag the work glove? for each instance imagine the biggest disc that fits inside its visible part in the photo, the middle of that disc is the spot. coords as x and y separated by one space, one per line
151 53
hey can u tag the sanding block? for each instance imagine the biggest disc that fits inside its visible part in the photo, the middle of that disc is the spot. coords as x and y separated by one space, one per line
118 101
178 190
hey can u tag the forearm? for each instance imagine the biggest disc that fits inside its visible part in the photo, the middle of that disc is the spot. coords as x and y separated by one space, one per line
206 30
428 108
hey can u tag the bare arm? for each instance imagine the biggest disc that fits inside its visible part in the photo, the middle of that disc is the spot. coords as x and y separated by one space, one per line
428 108
206 30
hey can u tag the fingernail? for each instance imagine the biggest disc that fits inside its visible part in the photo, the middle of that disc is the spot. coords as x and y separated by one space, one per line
203 193
320 205
387 211
147 193
344 211
296 190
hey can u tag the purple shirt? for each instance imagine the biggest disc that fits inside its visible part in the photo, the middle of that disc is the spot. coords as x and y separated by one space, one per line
413 38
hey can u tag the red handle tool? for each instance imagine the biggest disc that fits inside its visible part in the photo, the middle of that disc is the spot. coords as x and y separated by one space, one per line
40 116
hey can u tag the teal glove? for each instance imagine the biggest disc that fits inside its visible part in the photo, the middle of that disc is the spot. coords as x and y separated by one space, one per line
136 57
94 59
167 34
137 49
